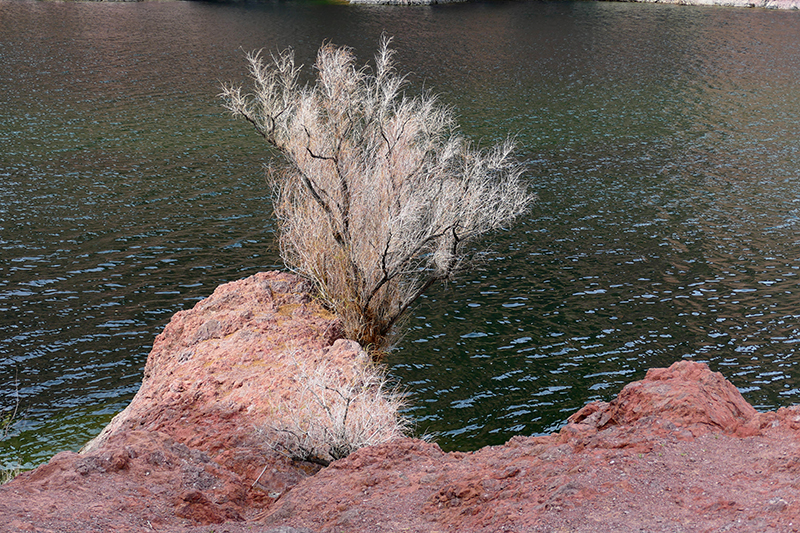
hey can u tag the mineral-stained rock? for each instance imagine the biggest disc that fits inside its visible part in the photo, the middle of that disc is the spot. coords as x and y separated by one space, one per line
685 395
679 450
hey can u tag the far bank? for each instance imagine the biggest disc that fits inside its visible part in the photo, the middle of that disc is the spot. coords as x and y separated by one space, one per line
765 4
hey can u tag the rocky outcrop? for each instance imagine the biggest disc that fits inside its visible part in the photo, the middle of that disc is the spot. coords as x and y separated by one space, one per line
767 4
709 404
680 450
188 449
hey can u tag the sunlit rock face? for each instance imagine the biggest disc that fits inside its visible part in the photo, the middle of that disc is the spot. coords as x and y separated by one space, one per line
769 4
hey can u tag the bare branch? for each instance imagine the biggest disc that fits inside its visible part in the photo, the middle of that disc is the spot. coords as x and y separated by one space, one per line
381 194
333 413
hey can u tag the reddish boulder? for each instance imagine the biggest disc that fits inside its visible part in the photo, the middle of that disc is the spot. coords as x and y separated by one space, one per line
187 450
686 395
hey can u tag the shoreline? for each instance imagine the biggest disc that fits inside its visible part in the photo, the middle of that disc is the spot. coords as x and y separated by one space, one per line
679 450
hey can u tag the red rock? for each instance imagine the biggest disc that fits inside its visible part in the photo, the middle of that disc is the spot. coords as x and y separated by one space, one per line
185 451
678 451
678 432
686 395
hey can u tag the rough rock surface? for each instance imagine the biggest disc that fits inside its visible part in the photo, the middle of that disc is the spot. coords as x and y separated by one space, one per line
187 449
680 450
768 4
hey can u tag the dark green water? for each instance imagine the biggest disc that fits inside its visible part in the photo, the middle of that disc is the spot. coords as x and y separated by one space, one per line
662 142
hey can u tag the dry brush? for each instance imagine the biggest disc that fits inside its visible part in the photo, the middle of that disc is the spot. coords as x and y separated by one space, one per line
336 411
380 195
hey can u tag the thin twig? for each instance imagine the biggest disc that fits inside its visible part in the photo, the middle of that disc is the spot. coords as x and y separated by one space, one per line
259 476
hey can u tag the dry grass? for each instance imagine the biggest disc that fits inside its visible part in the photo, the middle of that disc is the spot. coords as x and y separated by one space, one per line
8 474
380 195
6 425
333 414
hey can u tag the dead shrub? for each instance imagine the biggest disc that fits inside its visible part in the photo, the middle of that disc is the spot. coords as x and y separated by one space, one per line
333 413
380 196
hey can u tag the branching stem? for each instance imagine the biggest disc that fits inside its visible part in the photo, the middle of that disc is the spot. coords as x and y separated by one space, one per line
381 193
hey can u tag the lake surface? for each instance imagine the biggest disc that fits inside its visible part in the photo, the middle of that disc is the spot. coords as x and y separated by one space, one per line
663 143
